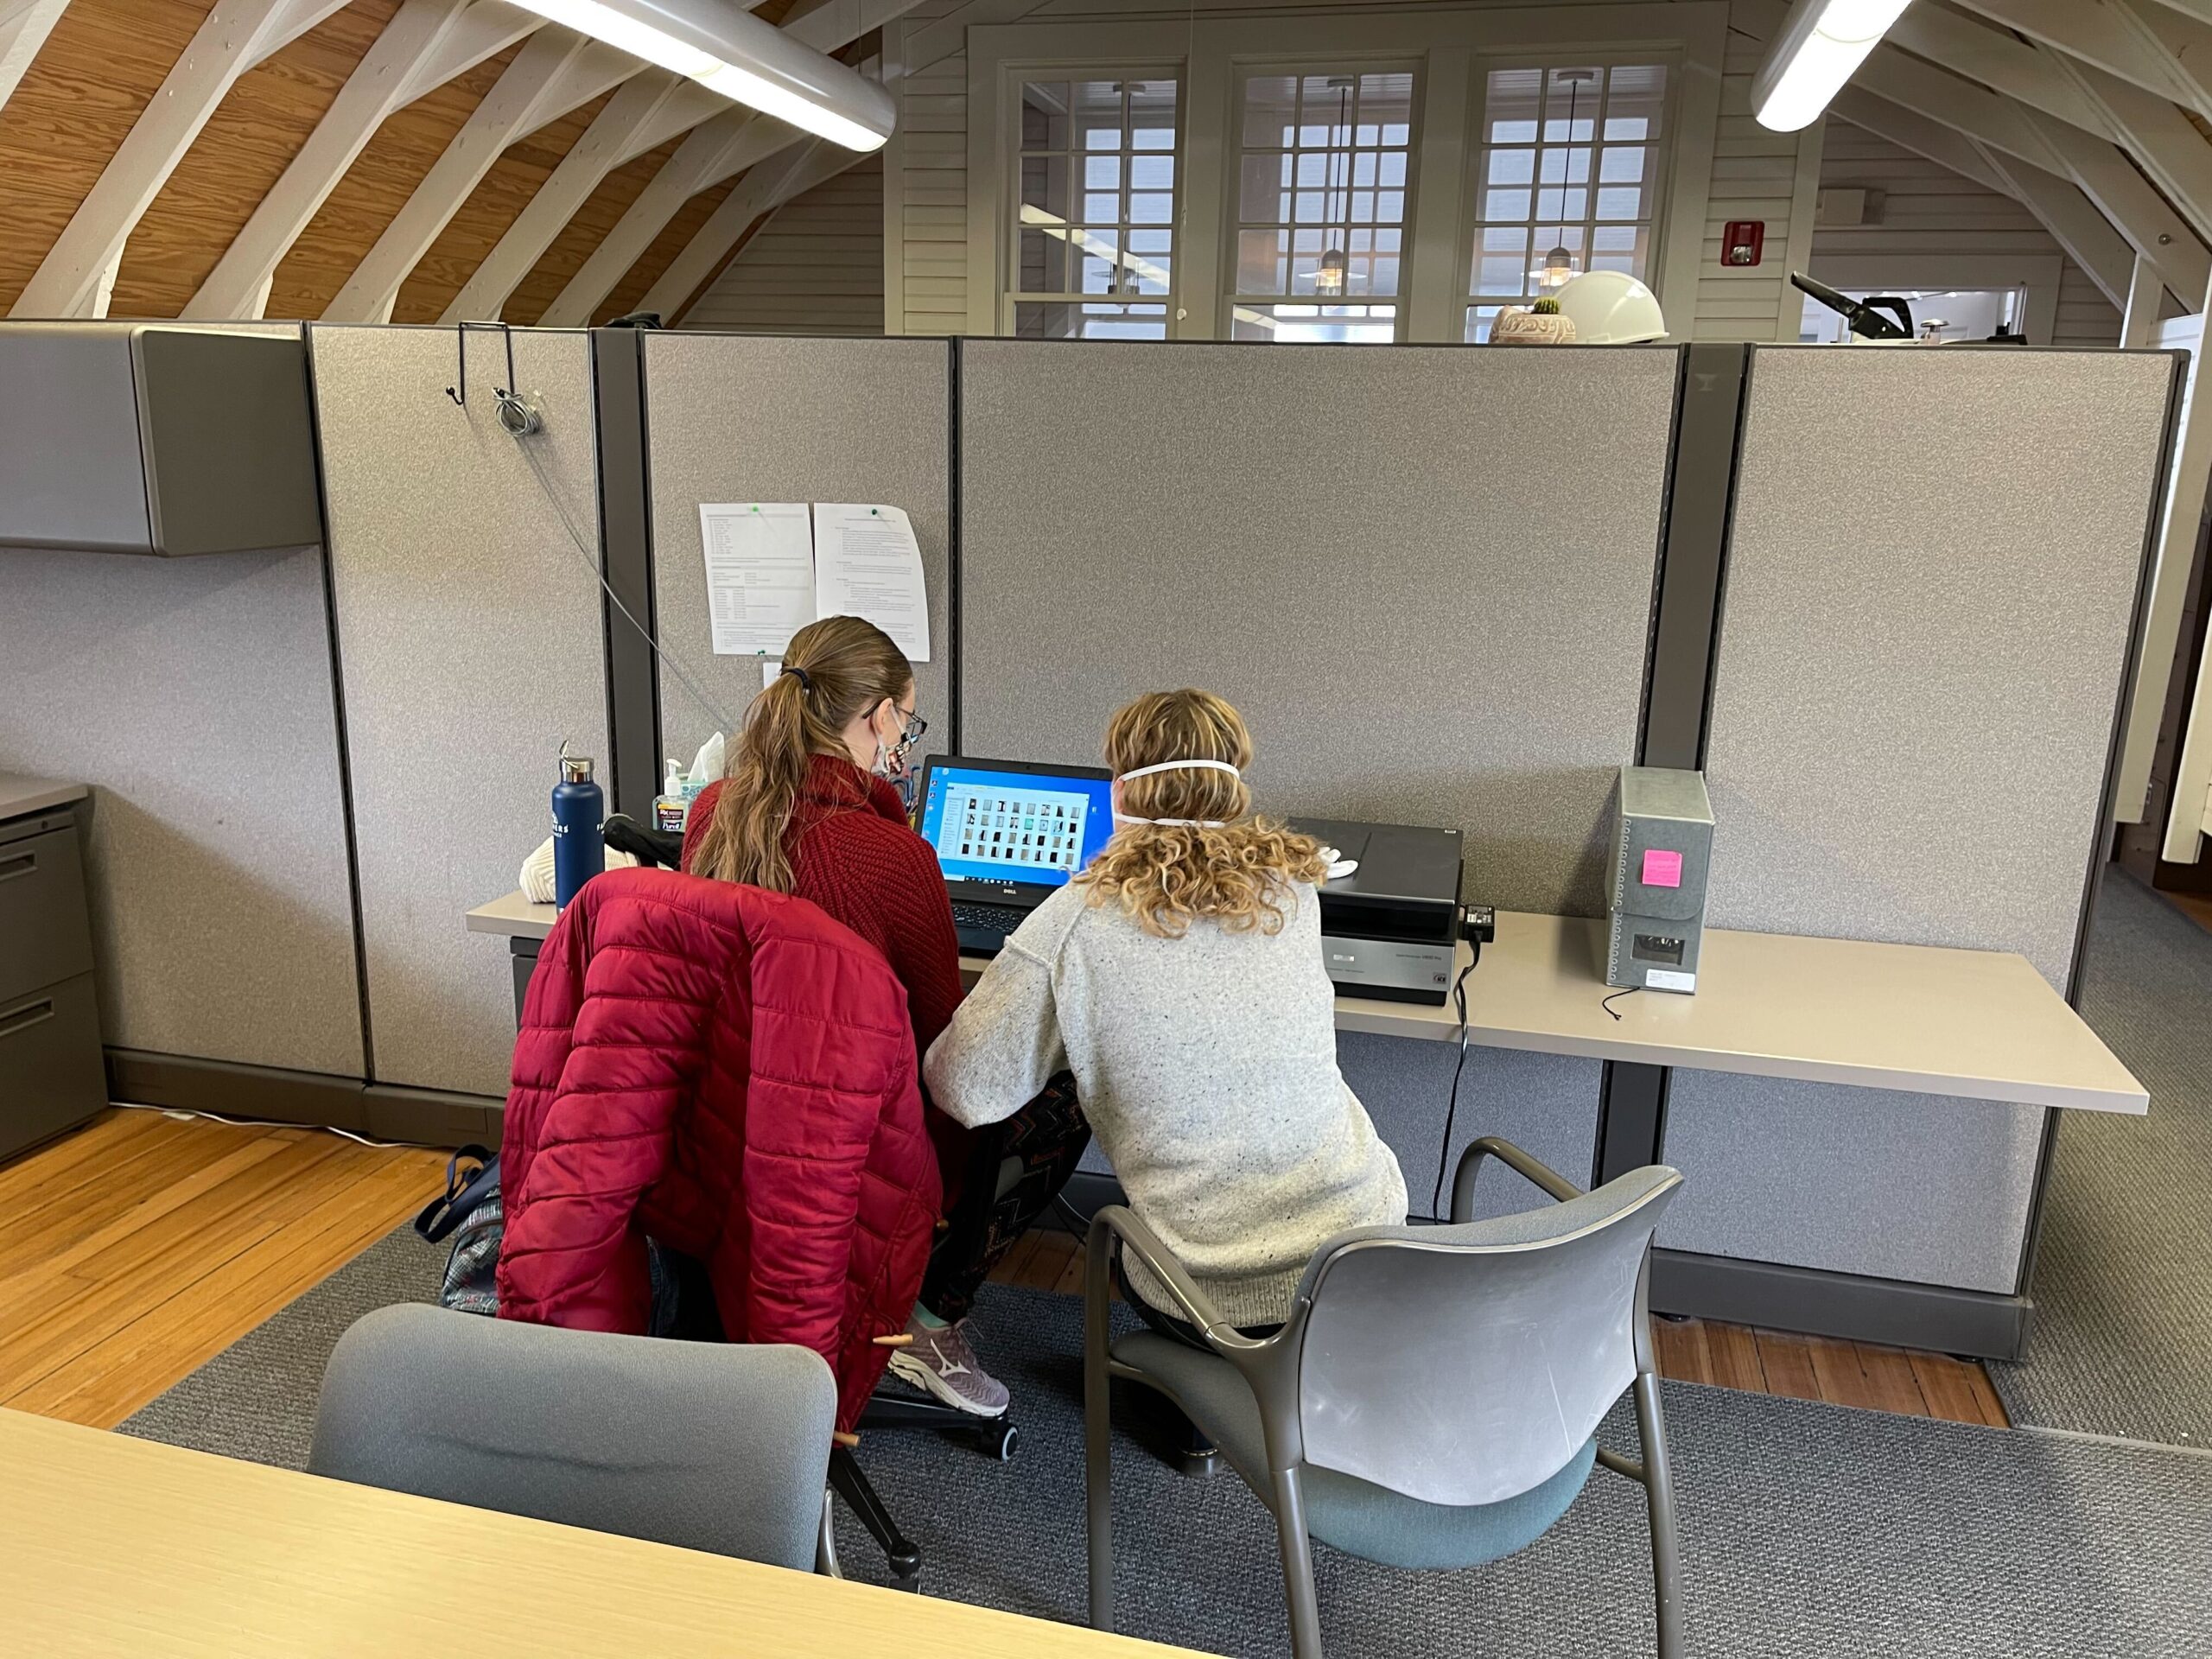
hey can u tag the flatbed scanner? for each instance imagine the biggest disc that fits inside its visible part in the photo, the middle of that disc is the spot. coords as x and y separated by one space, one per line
1390 929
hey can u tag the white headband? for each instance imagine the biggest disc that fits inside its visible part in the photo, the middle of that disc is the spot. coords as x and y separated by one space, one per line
1180 765
1177 766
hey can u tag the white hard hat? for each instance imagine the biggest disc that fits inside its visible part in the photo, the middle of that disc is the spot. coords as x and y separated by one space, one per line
1611 307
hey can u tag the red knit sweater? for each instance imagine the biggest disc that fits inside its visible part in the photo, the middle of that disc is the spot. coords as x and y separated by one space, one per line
852 854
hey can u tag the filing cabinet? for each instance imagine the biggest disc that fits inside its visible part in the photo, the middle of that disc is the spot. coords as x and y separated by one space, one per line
52 1073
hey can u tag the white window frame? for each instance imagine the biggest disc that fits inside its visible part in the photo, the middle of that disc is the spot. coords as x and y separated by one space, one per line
1450 45
1663 189
1229 302
1006 282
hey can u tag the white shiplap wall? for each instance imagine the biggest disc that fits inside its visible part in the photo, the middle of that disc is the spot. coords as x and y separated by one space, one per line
1921 208
1756 174
1773 177
815 268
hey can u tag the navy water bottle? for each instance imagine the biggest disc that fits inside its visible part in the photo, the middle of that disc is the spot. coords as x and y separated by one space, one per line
579 809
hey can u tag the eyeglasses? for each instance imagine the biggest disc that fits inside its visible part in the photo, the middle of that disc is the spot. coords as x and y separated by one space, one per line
915 727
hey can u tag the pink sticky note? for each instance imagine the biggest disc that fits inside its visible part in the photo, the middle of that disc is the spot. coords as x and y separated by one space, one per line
1661 869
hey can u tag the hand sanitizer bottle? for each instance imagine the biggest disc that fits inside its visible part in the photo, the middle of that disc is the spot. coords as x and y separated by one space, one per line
673 804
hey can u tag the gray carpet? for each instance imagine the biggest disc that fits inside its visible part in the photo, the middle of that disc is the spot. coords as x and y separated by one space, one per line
1810 1531
2121 1342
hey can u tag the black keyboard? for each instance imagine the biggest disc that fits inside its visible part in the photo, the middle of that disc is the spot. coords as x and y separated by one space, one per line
983 928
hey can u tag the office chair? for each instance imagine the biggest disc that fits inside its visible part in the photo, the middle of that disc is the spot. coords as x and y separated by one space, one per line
893 1405
1432 1400
705 1445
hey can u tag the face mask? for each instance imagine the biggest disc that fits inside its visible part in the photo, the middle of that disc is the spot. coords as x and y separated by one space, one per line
1177 766
891 761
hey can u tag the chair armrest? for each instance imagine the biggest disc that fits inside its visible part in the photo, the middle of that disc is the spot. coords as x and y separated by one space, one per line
1463 1181
1117 1222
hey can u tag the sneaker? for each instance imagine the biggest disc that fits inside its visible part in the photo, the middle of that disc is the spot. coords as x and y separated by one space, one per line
940 1361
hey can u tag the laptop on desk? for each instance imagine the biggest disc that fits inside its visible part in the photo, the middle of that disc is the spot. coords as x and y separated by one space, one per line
1006 834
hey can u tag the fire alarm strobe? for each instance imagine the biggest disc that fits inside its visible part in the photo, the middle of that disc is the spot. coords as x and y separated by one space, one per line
1743 241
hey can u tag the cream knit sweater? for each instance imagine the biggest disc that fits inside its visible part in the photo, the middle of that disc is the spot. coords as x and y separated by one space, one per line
1207 1068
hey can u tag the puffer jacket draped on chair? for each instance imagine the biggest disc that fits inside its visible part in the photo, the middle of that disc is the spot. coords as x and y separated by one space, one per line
731 1071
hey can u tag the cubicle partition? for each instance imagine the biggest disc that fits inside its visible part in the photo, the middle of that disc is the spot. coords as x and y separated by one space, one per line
470 650
195 696
1424 575
1885 598
736 417
1932 583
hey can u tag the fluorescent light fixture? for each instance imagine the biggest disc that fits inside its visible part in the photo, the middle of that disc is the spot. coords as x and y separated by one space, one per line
725 47
1820 45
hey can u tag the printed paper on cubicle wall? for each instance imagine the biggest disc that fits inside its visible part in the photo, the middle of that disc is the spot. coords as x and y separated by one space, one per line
759 573
868 564
773 567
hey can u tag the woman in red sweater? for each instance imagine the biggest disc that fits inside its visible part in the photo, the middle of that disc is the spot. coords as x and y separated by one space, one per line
808 808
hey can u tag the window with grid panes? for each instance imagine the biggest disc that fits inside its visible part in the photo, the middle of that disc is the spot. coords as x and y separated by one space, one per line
1323 171
1094 210
1570 161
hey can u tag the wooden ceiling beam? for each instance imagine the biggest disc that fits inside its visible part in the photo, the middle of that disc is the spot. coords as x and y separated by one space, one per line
600 150
2155 50
792 172
827 25
2002 124
419 32
485 29
715 150
684 176
24 25
554 73
78 273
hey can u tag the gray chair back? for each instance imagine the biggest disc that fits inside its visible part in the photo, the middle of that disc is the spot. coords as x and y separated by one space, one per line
709 1445
1467 1363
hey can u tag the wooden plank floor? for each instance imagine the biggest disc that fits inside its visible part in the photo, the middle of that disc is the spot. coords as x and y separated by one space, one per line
140 1246
1696 1351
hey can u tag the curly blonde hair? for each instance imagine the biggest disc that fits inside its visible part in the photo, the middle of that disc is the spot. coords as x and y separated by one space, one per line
1227 864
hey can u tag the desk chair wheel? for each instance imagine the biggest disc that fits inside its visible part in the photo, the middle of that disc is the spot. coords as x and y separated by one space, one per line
1000 1440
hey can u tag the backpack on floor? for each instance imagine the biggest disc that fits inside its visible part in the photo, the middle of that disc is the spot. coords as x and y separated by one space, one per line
469 1212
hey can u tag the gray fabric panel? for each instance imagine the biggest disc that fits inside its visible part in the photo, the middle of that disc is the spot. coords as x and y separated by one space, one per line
1546 1104
747 418
470 634
1428 610
195 695
1932 580
1919 1187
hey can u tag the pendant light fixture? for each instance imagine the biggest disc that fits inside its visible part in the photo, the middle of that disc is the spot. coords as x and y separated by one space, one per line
727 49
1559 264
1332 275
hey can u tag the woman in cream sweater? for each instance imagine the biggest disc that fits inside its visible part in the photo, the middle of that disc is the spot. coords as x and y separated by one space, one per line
1180 978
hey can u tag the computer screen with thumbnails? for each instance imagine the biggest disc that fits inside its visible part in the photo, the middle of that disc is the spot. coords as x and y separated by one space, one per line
1035 827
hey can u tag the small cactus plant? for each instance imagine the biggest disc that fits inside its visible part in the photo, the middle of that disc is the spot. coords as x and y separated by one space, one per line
1545 308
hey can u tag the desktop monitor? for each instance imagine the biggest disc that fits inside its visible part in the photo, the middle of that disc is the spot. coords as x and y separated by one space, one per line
1011 831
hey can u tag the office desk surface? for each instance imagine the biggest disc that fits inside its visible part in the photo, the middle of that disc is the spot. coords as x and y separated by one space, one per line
1982 1025
123 1547
21 795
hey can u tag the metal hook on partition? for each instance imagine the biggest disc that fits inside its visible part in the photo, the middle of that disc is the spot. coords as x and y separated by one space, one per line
514 413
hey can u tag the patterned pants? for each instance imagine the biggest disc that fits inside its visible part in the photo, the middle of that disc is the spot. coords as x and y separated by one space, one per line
1046 1138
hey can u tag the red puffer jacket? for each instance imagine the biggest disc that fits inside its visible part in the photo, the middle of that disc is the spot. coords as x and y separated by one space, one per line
731 1071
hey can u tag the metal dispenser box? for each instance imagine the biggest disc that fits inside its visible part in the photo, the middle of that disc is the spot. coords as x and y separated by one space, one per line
1663 853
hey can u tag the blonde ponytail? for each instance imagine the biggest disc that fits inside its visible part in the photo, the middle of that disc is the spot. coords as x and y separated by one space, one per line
834 669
